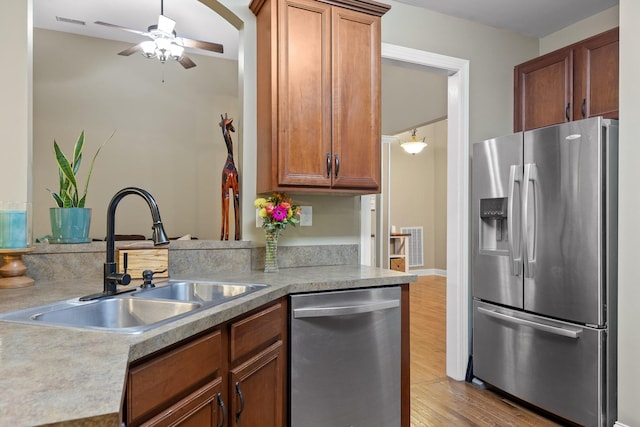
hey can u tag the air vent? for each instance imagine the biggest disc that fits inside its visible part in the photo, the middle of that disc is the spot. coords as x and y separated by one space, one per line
416 253
70 21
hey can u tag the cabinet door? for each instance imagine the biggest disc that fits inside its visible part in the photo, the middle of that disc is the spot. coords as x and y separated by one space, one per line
256 390
596 76
356 100
304 94
544 91
157 384
203 408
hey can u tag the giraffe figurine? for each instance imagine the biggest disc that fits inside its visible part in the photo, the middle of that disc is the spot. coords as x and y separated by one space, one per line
229 182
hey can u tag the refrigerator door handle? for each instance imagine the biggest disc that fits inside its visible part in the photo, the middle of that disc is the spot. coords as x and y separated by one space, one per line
344 310
569 333
515 254
529 240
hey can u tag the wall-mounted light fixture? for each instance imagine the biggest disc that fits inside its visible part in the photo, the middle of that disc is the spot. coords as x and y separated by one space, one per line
415 145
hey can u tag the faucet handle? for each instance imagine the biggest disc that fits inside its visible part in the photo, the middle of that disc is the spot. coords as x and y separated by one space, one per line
120 278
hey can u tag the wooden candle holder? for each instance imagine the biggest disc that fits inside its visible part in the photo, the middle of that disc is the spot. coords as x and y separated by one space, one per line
13 270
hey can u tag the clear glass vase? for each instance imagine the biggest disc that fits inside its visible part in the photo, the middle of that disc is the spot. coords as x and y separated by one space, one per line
271 250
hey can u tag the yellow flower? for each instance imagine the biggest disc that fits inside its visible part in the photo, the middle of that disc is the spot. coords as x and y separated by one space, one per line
289 213
260 202
262 213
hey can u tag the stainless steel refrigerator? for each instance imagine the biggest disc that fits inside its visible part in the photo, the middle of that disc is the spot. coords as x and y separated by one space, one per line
544 267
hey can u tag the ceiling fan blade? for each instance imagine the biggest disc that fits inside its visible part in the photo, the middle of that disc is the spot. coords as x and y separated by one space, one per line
186 62
198 44
106 24
130 51
166 25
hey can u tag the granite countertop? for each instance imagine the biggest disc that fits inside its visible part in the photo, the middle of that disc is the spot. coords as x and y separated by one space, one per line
76 377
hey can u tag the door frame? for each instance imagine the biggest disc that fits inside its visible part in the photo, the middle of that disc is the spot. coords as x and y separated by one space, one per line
458 164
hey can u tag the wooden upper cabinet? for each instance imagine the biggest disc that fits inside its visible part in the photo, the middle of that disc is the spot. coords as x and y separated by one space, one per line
356 100
304 86
575 82
318 95
543 91
596 71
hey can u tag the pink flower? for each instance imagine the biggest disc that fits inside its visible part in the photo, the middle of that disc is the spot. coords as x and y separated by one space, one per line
285 205
269 208
279 213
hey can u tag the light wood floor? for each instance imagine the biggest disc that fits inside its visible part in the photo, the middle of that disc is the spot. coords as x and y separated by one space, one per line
437 400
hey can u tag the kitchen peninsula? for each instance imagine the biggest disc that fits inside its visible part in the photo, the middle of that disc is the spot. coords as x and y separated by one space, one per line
76 377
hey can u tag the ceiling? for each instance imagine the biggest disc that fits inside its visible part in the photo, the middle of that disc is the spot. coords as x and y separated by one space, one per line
536 18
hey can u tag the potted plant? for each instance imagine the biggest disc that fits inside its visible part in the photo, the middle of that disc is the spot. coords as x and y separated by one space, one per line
70 221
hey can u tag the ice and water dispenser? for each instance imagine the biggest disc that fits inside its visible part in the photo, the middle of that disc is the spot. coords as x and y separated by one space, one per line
494 233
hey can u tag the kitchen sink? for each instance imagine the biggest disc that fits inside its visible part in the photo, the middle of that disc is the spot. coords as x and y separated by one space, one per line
135 312
119 314
200 291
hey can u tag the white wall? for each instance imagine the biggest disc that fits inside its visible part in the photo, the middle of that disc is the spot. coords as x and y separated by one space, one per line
15 106
167 135
581 30
629 206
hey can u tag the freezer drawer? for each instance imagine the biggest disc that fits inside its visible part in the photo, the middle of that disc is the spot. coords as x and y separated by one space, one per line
555 365
345 358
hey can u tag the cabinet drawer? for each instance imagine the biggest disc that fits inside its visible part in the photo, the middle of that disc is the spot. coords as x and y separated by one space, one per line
199 409
256 332
397 264
154 385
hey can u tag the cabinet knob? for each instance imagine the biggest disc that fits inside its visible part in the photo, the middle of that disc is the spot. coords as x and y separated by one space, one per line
337 165
583 107
566 111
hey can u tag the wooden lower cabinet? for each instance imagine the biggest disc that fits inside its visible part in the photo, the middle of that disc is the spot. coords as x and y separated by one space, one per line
232 375
257 390
204 408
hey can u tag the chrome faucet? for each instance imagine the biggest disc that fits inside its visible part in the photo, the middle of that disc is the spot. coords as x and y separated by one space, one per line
111 277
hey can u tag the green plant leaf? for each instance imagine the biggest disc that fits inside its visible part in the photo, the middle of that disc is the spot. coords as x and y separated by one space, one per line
77 153
57 198
69 185
68 196
86 185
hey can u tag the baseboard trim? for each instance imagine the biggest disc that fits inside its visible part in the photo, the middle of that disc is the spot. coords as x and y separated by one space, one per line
430 272
619 424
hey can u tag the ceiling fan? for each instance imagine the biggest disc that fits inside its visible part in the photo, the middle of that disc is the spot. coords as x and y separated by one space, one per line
164 43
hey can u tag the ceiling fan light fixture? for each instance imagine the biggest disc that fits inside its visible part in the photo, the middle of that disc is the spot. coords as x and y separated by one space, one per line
163 43
148 48
176 51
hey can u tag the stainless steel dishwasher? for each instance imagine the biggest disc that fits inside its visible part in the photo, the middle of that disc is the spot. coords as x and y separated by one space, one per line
345 358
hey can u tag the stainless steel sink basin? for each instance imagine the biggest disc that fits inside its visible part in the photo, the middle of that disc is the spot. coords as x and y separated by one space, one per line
119 314
137 311
201 291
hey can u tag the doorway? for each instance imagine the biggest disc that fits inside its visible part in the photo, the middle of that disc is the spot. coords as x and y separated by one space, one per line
457 297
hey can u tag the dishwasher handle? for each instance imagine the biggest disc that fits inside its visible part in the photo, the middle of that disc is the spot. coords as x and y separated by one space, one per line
344 310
